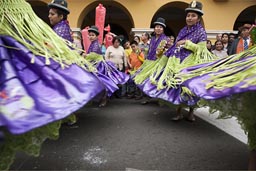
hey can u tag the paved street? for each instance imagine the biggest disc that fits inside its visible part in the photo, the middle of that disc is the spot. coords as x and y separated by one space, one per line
126 135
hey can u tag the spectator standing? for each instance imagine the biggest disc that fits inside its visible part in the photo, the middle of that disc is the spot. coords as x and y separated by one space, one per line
209 45
172 40
127 47
144 44
136 58
77 39
218 37
137 39
231 38
243 42
116 54
103 47
219 49
224 40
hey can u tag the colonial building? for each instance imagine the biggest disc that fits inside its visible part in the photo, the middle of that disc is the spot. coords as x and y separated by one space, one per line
128 17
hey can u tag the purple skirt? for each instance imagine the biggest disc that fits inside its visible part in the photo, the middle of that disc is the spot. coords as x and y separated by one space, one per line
198 84
172 95
33 95
110 76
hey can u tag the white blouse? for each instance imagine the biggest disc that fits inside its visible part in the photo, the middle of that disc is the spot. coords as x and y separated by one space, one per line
117 56
220 54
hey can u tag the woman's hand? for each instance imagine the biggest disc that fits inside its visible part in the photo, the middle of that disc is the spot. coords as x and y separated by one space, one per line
181 42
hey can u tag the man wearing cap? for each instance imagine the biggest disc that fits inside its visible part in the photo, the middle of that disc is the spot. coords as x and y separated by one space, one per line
58 12
242 43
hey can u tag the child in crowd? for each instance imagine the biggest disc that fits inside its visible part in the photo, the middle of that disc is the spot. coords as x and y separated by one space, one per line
135 60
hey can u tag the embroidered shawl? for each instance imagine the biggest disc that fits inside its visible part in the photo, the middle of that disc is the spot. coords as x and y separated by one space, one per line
154 42
63 30
95 47
195 34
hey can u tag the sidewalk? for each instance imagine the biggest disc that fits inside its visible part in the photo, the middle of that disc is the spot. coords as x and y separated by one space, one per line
230 126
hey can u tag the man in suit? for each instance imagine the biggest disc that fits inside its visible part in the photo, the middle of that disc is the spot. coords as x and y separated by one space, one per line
242 42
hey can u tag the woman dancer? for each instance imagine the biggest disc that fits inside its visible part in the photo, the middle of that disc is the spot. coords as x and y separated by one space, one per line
161 82
106 71
157 46
228 85
42 79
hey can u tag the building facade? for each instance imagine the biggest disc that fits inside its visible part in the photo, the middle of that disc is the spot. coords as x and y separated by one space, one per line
129 17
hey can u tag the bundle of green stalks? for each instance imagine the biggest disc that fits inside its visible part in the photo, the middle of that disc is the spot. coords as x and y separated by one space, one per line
18 20
229 71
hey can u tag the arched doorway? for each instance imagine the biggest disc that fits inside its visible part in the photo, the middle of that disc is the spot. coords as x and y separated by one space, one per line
117 16
246 16
41 9
174 15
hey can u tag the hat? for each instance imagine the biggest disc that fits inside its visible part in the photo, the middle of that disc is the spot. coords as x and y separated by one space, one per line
160 21
94 29
245 26
59 4
195 6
